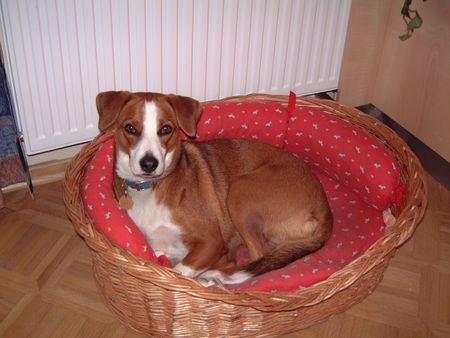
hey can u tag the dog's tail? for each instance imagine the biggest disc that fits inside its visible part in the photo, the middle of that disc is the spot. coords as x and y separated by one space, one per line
282 255
289 251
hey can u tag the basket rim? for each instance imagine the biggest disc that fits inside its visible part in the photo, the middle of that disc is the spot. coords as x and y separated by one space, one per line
408 217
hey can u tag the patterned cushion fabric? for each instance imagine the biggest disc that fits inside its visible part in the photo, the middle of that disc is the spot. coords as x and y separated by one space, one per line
346 153
358 187
264 122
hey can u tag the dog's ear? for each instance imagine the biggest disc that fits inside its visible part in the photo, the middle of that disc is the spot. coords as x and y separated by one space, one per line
188 111
109 105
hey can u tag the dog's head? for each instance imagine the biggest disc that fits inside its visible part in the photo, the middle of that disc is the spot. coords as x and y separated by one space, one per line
147 129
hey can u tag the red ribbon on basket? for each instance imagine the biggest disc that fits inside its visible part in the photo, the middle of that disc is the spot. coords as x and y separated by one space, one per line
292 101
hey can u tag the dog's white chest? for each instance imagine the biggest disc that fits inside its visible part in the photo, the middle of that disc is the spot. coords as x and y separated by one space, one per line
155 222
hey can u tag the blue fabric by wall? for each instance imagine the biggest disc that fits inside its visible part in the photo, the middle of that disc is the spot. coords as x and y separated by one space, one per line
11 168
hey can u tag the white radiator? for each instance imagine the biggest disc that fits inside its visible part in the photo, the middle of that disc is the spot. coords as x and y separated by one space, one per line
61 53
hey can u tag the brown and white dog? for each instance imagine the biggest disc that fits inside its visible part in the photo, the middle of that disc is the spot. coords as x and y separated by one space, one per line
197 202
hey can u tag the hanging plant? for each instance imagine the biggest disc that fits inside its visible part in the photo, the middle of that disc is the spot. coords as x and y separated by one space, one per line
411 18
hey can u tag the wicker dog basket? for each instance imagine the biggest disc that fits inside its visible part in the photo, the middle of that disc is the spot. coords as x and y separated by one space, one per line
158 301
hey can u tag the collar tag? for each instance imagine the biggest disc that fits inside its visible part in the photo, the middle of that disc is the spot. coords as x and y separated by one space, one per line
125 202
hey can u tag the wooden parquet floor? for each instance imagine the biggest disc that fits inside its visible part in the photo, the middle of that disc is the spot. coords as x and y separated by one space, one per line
47 287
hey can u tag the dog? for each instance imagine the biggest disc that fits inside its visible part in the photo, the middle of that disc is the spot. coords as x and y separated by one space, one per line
197 202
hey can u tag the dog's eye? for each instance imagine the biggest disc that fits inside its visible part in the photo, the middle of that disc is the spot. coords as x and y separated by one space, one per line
165 130
130 129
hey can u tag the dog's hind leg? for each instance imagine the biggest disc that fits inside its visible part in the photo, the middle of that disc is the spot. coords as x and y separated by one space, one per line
248 207
277 215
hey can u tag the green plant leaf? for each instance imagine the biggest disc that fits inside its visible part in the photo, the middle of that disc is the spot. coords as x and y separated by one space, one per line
415 22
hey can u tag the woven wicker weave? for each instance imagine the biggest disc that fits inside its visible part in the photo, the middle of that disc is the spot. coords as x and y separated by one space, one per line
160 302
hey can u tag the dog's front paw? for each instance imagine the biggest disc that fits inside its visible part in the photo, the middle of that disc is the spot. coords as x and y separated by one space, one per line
186 270
208 282
211 277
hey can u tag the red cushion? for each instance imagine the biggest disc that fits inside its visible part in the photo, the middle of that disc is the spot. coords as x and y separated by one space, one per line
357 222
265 122
346 153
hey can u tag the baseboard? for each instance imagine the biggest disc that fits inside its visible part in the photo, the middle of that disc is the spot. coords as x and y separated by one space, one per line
43 173
433 163
53 155
47 167
330 95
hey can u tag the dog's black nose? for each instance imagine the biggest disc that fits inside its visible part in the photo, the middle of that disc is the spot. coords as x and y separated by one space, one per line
148 164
